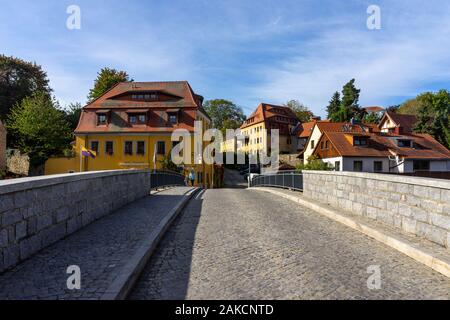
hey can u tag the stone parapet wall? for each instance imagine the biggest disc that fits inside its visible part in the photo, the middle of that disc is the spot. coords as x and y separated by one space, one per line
36 212
419 206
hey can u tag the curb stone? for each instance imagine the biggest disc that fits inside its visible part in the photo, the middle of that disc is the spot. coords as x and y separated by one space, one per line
441 265
123 284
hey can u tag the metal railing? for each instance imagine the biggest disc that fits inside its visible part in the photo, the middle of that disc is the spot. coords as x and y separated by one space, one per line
281 179
160 179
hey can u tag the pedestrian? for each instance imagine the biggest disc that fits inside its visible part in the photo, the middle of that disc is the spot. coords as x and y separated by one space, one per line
192 177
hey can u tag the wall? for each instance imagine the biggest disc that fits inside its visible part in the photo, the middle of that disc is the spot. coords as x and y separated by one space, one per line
420 206
36 212
315 136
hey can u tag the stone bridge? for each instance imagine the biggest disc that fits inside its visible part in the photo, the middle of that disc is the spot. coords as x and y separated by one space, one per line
347 236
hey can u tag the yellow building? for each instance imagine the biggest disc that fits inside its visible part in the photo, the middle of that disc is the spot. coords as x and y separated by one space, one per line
131 125
268 117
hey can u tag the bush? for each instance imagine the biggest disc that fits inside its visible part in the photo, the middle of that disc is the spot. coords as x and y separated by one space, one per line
314 163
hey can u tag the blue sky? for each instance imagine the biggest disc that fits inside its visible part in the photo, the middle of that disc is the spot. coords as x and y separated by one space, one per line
244 51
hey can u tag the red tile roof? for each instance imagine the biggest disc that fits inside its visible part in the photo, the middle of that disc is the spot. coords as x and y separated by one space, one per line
270 113
306 129
373 109
381 145
176 95
325 126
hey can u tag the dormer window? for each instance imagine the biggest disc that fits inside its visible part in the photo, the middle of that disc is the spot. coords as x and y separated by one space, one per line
173 119
137 117
404 143
102 119
360 141
148 96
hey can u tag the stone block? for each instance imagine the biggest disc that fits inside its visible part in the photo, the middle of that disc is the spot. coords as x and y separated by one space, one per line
30 246
11 217
11 256
431 233
419 214
409 225
43 221
74 224
53 234
404 209
440 220
3 238
62 214
21 230
6 202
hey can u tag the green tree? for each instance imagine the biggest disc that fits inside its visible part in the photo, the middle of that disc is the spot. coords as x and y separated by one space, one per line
301 111
40 126
412 106
372 117
72 114
19 79
315 163
349 105
334 107
106 79
434 115
224 114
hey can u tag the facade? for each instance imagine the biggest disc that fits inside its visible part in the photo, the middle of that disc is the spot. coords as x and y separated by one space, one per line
320 127
130 127
268 117
2 147
382 152
397 123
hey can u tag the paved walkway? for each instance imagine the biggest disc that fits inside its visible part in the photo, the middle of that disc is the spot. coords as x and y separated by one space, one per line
245 244
100 250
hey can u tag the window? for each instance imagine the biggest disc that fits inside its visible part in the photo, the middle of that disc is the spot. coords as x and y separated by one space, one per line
378 166
109 148
101 119
358 166
94 146
129 148
423 165
404 143
312 144
142 119
358 141
337 166
326 144
161 148
132 119
289 141
140 148
322 145
173 119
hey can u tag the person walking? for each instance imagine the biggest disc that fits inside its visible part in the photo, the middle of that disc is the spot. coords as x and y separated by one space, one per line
192 177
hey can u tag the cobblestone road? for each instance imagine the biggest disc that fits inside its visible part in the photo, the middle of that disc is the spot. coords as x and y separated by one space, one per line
100 250
245 244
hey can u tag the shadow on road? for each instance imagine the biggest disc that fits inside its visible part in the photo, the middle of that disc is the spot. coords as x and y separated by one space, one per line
166 276
233 179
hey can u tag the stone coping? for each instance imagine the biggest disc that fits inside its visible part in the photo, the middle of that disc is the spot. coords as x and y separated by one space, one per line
420 181
21 184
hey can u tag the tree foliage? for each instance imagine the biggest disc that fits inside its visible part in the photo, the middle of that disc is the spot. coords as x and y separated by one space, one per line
224 114
348 104
315 163
40 126
412 106
72 114
106 79
301 111
19 79
334 107
372 117
434 115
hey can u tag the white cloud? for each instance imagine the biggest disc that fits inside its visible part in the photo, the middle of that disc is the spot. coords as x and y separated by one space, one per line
400 60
